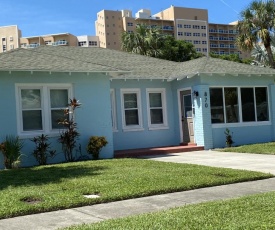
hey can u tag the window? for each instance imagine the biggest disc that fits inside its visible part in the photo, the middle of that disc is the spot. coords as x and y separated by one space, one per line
239 104
204 50
179 25
49 42
196 26
198 49
196 34
216 104
196 42
3 39
204 42
11 47
113 109
4 48
131 110
92 43
203 34
156 108
40 107
83 43
187 34
187 26
130 24
203 27
11 38
180 33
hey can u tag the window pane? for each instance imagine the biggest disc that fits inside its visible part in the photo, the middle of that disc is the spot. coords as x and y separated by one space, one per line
59 98
248 108
131 117
216 103
262 104
32 120
187 106
130 100
56 116
31 98
156 116
231 105
155 100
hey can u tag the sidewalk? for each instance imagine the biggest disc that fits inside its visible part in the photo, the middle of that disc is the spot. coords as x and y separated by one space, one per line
100 212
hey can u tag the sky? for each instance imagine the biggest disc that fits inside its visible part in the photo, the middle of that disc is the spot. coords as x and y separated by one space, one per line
36 17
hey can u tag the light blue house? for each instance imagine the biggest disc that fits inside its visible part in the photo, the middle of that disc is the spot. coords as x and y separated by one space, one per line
133 100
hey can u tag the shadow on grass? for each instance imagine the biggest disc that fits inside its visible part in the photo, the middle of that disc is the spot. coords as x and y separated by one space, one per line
43 175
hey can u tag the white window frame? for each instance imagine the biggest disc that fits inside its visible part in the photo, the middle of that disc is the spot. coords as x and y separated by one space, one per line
125 127
45 108
113 109
162 91
241 123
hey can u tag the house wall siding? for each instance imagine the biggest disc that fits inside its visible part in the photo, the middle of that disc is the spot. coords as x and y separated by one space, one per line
247 133
93 117
145 138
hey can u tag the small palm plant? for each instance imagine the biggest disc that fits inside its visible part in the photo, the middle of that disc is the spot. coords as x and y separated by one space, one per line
69 135
228 138
42 149
11 150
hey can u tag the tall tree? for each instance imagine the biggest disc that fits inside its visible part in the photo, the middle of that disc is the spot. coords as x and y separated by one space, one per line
151 42
260 55
145 40
177 50
257 26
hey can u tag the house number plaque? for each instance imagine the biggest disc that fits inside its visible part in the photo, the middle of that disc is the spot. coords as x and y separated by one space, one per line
205 100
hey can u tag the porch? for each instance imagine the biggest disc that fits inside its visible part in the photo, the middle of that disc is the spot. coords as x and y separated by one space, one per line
157 151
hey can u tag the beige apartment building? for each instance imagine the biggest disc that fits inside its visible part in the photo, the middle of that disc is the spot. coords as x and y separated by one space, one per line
9 36
64 39
187 24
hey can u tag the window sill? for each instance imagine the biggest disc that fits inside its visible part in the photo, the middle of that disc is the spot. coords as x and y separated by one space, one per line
243 124
35 134
152 128
132 129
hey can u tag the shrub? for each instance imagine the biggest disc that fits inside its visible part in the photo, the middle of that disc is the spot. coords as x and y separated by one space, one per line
95 145
42 151
11 150
70 134
228 138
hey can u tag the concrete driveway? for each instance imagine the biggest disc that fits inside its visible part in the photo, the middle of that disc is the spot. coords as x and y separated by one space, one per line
253 162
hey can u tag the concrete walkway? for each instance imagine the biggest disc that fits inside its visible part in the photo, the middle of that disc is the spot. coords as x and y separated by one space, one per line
100 212
253 162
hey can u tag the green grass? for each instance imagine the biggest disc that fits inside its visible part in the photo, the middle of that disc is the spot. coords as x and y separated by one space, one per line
264 148
63 185
251 212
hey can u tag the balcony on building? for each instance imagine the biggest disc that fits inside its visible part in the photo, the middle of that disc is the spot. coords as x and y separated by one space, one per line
60 43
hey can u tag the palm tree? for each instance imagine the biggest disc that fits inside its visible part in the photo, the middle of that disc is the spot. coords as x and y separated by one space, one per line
145 40
257 26
260 55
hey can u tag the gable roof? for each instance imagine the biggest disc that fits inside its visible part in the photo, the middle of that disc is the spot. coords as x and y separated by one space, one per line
118 64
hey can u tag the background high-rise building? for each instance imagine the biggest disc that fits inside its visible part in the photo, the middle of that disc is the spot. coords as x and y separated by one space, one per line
9 36
187 24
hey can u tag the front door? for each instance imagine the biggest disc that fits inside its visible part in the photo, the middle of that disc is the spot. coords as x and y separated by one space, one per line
187 117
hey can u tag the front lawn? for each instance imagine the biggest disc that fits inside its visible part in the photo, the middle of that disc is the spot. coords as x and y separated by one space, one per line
251 212
53 187
264 148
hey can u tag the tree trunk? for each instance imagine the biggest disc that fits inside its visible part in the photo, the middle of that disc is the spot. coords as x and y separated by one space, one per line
270 57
